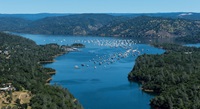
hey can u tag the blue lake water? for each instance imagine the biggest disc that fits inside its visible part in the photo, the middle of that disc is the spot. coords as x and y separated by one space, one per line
193 45
103 86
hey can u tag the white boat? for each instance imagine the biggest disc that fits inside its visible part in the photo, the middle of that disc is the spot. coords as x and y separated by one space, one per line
76 67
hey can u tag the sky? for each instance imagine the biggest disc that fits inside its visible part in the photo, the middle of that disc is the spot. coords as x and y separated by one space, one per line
98 6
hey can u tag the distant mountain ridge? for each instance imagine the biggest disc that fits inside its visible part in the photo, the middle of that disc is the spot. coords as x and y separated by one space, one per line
82 24
12 24
32 16
184 15
127 25
144 26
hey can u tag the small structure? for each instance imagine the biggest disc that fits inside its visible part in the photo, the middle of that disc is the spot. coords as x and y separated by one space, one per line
6 53
188 52
7 87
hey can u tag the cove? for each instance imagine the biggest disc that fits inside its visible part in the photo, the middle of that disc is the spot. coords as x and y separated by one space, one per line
98 86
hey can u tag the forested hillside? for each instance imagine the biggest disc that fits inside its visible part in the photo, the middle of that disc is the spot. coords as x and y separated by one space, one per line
174 76
12 24
20 65
174 15
77 24
190 39
108 25
151 27
82 24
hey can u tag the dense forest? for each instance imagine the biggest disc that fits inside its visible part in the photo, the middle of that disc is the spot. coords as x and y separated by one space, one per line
153 27
69 25
77 24
122 25
190 39
174 76
12 24
20 65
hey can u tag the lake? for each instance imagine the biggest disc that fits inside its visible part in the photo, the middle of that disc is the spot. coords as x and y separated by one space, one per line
193 45
100 79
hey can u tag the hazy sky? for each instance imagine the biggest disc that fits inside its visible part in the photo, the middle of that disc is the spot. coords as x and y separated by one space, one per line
98 6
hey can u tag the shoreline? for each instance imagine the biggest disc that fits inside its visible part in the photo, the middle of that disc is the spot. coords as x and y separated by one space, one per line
60 54
44 62
147 90
51 61
51 73
48 80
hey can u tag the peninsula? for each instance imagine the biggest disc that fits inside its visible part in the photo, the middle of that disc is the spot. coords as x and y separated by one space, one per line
173 76
20 66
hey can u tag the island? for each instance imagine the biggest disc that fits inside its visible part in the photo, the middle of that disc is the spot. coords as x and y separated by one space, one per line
23 80
173 76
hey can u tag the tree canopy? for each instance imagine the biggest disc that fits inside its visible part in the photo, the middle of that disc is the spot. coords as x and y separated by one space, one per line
20 65
174 76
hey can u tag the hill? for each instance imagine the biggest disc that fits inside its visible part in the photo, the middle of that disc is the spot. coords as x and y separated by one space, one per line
82 24
173 76
20 60
150 27
12 24
122 25
174 15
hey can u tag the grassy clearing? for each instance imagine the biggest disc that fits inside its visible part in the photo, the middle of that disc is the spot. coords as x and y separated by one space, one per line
23 96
